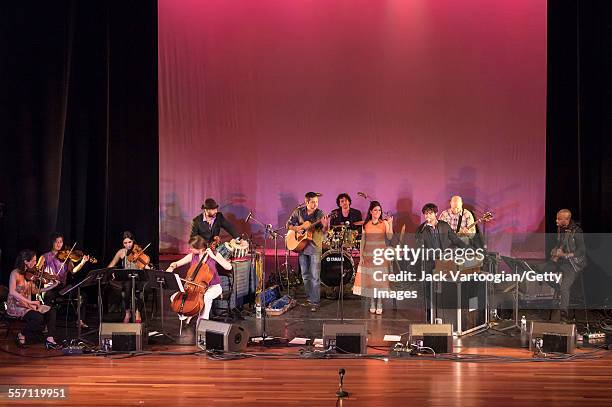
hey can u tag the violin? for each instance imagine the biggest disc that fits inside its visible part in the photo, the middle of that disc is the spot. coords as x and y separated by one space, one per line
138 256
199 275
34 275
74 255
44 280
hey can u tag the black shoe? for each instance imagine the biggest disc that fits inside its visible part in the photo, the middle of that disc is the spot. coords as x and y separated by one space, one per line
20 340
52 345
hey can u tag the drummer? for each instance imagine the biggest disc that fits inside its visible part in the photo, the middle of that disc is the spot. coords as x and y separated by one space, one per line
344 213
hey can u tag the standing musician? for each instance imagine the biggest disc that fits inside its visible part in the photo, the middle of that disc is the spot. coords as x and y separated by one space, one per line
210 222
62 268
123 256
435 234
376 233
199 248
459 218
310 257
21 305
344 213
568 257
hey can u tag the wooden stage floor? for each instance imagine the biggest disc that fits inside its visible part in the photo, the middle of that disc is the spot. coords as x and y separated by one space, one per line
160 378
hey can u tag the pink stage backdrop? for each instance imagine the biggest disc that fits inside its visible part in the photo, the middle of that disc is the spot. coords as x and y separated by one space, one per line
410 101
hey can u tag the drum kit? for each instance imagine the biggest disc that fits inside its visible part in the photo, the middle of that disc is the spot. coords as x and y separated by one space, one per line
337 263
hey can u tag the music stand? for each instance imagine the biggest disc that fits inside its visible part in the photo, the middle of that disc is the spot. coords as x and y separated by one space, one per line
97 275
131 275
170 281
514 264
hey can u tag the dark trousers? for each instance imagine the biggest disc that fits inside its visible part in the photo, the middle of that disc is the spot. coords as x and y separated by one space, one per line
35 321
568 277
126 289
51 297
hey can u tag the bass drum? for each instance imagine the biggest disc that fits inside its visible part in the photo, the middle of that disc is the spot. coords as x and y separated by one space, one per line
331 263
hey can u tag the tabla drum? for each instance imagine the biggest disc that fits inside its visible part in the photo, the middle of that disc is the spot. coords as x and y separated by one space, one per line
331 263
238 250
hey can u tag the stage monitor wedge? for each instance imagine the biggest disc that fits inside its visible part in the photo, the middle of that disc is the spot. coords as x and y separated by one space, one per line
346 338
557 338
119 337
213 335
439 337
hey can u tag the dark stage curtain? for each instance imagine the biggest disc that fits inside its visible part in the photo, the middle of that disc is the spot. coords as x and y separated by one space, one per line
579 125
79 125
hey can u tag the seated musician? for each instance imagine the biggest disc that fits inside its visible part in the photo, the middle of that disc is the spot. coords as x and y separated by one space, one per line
310 257
21 305
210 222
62 269
568 257
344 213
459 218
123 256
199 248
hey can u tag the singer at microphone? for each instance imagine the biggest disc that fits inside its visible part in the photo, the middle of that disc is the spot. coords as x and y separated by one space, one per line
344 214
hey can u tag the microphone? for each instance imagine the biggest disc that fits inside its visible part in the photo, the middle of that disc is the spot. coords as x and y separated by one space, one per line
341 393
248 218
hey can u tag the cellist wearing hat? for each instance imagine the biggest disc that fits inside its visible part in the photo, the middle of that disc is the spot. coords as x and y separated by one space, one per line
209 223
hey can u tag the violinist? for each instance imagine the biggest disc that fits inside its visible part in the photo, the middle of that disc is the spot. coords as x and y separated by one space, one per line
62 267
125 255
198 248
21 305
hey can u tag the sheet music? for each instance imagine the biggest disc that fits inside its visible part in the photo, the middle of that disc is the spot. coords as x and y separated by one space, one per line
180 283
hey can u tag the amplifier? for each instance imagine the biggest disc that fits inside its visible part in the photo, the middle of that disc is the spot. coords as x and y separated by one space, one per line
213 335
119 337
346 338
560 338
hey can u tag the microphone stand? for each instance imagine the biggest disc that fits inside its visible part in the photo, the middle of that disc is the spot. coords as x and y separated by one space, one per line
262 296
341 296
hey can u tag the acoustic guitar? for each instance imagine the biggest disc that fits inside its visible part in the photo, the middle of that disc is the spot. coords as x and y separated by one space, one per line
487 216
297 241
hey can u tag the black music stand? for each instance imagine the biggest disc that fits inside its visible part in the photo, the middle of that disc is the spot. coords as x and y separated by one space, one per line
163 278
94 275
515 264
131 275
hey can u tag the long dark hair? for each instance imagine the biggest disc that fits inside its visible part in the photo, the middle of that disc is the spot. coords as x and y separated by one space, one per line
22 257
373 204
54 236
128 235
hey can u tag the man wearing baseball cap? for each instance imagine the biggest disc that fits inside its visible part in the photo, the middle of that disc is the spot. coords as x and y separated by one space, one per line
210 222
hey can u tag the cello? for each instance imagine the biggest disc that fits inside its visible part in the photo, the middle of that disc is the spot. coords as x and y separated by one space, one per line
199 275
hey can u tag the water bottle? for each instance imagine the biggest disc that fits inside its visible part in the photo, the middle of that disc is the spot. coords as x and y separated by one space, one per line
258 310
524 337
